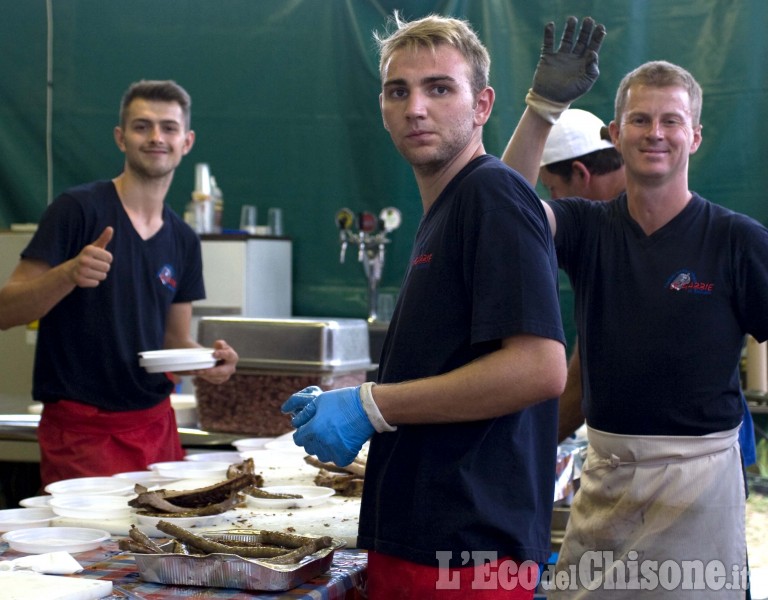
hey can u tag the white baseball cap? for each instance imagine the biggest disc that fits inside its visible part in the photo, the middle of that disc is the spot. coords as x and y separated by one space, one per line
576 133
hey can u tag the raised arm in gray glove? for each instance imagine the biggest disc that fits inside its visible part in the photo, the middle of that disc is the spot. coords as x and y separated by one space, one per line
564 75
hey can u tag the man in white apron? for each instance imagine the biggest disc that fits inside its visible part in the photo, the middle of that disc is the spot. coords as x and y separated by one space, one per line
666 286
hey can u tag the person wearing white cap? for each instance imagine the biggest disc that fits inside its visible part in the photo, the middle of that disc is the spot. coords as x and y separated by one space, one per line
579 160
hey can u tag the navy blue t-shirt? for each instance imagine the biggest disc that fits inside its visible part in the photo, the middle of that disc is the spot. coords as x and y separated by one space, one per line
483 268
88 344
661 318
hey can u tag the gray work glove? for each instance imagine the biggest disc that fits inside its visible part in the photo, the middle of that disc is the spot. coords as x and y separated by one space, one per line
564 75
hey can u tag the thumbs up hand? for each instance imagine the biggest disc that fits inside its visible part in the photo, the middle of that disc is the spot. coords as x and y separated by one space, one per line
104 238
91 267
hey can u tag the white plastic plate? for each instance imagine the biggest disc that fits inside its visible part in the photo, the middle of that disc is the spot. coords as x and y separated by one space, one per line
25 518
311 495
91 507
182 359
36 502
247 444
271 460
190 469
283 445
183 485
89 486
233 458
55 539
146 478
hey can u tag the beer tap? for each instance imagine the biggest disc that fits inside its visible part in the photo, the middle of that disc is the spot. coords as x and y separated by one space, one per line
366 225
371 239
344 220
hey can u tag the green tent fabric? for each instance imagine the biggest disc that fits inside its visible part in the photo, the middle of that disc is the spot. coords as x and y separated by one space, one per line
285 104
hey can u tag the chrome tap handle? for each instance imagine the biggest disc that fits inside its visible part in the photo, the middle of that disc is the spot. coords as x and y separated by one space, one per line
361 250
344 220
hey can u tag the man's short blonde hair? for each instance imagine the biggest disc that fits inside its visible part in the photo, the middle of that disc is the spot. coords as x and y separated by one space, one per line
433 31
660 73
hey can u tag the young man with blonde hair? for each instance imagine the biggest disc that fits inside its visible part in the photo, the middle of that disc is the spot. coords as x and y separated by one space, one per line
460 477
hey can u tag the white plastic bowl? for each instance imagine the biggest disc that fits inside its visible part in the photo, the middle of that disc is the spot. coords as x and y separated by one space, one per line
89 486
190 469
97 507
25 518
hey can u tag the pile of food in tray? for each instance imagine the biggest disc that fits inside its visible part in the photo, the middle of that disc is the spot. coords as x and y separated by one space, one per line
274 547
242 559
238 558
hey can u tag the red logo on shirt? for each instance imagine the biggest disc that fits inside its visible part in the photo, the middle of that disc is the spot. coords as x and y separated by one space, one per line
685 281
422 261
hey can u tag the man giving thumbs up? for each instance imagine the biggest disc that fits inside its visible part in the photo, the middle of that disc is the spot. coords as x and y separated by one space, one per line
111 272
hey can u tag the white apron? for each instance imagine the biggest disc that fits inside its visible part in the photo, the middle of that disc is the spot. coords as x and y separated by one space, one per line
654 517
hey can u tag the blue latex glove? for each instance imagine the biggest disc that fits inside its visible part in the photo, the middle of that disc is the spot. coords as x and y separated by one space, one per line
302 402
331 425
747 436
568 73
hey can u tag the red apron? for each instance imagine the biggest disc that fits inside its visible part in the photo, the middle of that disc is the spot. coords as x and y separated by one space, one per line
80 440
391 578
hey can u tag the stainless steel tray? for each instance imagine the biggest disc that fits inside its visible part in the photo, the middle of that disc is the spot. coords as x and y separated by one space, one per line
231 571
293 344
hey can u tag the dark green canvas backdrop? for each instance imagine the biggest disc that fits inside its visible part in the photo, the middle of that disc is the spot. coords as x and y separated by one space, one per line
286 113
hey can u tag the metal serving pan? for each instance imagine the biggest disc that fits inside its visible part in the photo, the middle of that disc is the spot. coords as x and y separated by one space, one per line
230 570
292 344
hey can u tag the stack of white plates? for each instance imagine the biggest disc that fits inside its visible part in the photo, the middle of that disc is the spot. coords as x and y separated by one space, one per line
182 359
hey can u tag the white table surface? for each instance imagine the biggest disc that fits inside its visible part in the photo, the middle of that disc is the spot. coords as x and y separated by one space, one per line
338 517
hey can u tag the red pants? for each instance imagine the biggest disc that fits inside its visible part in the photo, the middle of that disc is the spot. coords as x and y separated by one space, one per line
391 578
80 440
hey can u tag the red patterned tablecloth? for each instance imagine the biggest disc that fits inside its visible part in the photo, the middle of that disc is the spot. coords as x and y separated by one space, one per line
344 581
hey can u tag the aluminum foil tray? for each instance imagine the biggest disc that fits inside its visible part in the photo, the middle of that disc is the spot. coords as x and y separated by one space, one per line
231 571
292 344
